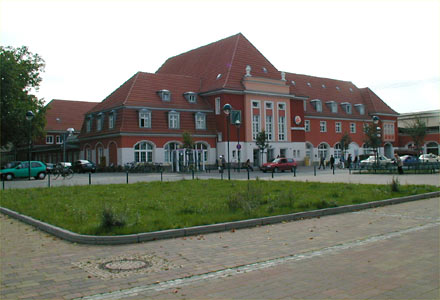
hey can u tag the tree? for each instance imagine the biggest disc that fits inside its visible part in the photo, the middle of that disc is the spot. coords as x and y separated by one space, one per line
187 140
345 143
20 76
261 142
373 137
417 131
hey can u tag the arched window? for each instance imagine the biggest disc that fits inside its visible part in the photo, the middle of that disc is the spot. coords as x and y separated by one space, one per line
169 150
201 146
322 150
337 150
143 152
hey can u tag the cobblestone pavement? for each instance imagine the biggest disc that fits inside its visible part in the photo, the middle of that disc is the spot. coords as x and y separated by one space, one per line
383 253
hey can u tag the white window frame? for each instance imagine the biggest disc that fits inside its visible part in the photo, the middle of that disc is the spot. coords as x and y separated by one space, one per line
144 118
307 125
317 104
173 120
269 127
200 120
217 105
111 120
99 121
282 128
88 125
352 127
143 154
256 119
59 139
338 127
322 126
49 139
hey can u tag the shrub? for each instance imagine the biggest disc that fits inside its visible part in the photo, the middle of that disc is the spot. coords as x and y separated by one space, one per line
110 219
395 185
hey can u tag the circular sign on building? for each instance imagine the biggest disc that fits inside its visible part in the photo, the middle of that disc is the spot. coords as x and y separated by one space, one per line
238 146
297 120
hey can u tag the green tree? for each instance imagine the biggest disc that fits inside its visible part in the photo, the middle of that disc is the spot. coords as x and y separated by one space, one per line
262 142
20 78
417 129
373 136
187 140
345 142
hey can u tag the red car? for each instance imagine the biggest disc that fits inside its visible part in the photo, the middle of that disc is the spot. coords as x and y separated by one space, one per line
279 164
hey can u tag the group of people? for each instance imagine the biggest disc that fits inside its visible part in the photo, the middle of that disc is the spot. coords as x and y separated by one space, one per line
345 164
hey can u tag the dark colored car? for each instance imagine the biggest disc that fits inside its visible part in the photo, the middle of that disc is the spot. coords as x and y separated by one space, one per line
82 166
279 164
409 160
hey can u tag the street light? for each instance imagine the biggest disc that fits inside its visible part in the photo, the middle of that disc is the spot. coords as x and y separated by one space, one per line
29 116
237 124
377 144
66 134
227 110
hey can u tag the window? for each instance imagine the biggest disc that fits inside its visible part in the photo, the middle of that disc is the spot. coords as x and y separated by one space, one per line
338 127
173 120
346 107
352 127
89 124
337 151
59 139
217 106
282 128
191 97
268 105
169 151
99 121
200 120
269 128
235 115
49 139
323 126
143 152
360 108
317 105
255 126
144 118
333 106
307 125
202 153
388 131
165 95
111 119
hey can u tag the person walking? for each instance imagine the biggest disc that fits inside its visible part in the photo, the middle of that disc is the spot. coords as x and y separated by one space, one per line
332 162
399 163
349 161
321 163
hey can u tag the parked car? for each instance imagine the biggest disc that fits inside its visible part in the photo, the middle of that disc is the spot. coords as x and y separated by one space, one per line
409 160
83 165
21 170
430 157
371 160
65 164
279 164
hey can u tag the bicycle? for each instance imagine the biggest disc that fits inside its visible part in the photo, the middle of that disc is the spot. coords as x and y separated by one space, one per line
64 172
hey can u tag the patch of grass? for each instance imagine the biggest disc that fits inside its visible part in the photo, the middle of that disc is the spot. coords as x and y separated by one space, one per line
145 207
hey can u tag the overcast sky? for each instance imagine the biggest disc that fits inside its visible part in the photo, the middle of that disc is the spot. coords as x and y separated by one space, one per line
92 47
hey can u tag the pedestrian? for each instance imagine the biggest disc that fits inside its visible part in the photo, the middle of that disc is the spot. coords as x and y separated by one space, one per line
321 163
349 161
332 162
355 161
248 165
399 163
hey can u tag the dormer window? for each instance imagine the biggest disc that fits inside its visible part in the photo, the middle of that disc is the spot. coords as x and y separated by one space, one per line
360 108
333 106
89 123
191 97
165 95
316 103
99 121
111 119
346 107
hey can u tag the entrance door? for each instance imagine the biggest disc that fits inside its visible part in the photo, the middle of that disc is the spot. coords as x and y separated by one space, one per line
256 157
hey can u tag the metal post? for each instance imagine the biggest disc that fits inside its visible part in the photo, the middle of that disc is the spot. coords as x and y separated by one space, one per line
29 152
333 169
192 174
48 180
272 172
161 174
314 170
248 172
229 162
90 178
126 172
3 184
294 171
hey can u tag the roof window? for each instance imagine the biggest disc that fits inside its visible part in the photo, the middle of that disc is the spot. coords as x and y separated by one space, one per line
360 108
333 106
316 103
338 88
219 75
264 70
293 82
323 86
165 95
191 97
351 90
346 107
309 84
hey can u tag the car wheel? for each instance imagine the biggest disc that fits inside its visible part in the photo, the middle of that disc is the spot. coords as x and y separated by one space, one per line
41 176
9 177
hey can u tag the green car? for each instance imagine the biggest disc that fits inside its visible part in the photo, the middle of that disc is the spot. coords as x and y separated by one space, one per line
21 170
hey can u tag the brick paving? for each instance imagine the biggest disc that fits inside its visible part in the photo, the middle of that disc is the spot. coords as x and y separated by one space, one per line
35 265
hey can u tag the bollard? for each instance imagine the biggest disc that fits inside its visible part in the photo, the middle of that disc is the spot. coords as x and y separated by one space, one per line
248 172
221 174
90 178
127 175
192 173
333 170
48 180
161 175
349 170
294 171
3 184
272 172
314 170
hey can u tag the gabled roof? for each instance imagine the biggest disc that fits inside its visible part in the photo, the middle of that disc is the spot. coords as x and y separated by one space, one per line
374 104
63 114
141 90
228 57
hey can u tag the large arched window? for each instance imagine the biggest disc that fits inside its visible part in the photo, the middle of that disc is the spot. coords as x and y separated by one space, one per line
169 150
337 150
322 150
143 152
201 146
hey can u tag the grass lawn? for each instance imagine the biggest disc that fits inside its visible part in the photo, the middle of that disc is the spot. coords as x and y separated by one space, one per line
144 207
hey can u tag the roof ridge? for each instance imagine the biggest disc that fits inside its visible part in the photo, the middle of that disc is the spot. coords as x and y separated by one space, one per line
131 88
232 60
319 77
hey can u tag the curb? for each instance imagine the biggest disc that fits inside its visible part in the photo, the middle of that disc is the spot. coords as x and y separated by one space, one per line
204 229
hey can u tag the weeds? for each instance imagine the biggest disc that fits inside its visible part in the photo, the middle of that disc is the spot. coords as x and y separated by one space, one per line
395 185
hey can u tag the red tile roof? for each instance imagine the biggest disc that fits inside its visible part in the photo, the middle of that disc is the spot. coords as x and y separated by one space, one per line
228 57
63 114
374 103
141 90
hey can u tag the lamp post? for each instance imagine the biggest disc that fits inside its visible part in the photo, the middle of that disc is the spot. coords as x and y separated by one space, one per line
29 116
66 134
237 124
377 143
227 110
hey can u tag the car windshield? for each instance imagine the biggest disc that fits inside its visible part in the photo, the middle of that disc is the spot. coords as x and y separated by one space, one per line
276 160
